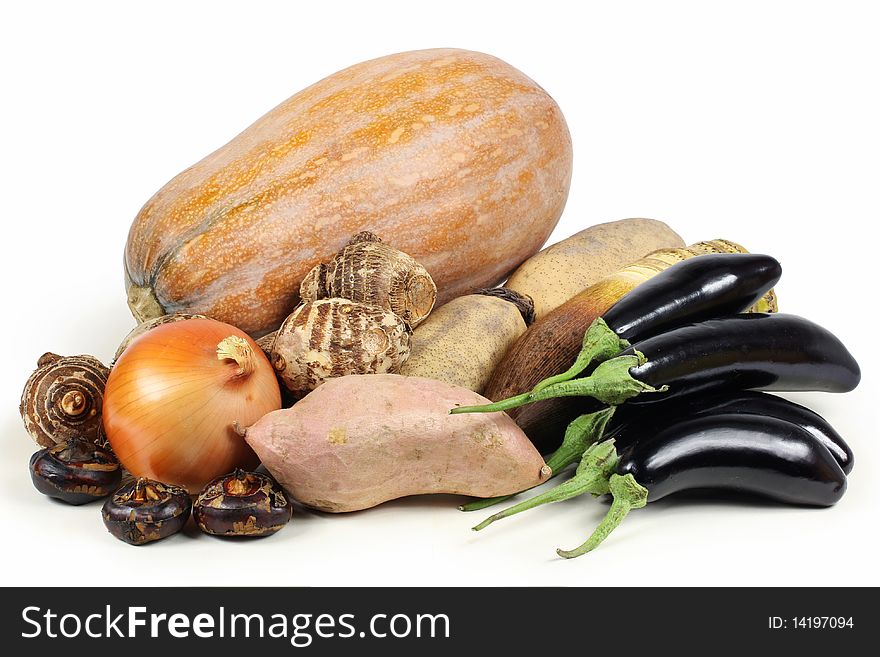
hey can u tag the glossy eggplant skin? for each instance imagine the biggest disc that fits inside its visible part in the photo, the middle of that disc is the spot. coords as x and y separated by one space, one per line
690 291
744 453
693 290
750 351
632 421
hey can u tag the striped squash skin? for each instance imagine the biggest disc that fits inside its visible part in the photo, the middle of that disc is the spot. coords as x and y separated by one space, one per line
454 157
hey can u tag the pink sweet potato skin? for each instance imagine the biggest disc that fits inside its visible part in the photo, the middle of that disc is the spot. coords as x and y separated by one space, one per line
358 441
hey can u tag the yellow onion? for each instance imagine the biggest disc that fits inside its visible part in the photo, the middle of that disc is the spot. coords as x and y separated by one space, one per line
174 397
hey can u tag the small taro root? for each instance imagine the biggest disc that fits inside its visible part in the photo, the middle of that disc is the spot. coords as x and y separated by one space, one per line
463 341
242 504
371 272
76 471
358 441
63 399
143 511
330 338
149 325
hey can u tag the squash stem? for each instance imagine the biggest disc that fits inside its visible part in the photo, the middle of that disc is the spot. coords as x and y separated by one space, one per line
143 303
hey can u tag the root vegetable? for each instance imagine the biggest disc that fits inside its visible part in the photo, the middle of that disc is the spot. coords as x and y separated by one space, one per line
64 398
463 341
557 273
370 272
358 441
143 511
329 338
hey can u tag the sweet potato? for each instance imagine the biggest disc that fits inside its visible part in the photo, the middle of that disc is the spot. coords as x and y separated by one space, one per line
358 441
557 273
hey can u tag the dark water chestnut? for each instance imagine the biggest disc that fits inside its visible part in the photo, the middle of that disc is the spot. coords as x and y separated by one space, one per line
76 471
242 504
144 511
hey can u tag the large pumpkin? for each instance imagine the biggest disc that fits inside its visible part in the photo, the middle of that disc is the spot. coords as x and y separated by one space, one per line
452 156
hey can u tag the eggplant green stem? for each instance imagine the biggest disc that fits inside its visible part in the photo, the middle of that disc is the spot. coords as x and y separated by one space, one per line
628 494
580 434
486 502
610 383
600 343
502 405
592 476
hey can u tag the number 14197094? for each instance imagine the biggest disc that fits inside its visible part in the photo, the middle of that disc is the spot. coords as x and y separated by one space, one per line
810 622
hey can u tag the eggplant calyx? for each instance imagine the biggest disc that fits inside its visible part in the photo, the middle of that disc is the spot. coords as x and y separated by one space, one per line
611 383
628 494
592 476
580 434
600 343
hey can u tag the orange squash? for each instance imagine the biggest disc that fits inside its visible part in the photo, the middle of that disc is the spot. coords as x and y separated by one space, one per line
452 156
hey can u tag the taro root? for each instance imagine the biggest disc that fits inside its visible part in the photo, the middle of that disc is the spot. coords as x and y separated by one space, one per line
149 325
76 471
63 399
330 338
242 504
463 341
370 272
144 510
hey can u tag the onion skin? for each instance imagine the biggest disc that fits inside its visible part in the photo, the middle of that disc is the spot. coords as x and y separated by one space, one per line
172 400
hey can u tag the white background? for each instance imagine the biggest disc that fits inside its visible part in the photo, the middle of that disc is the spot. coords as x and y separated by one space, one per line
753 121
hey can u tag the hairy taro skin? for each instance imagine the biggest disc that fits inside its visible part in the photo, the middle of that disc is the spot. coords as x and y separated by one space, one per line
329 338
453 156
64 398
358 441
370 272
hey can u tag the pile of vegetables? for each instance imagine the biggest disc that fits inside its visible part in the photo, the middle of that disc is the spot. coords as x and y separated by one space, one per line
674 355
320 321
